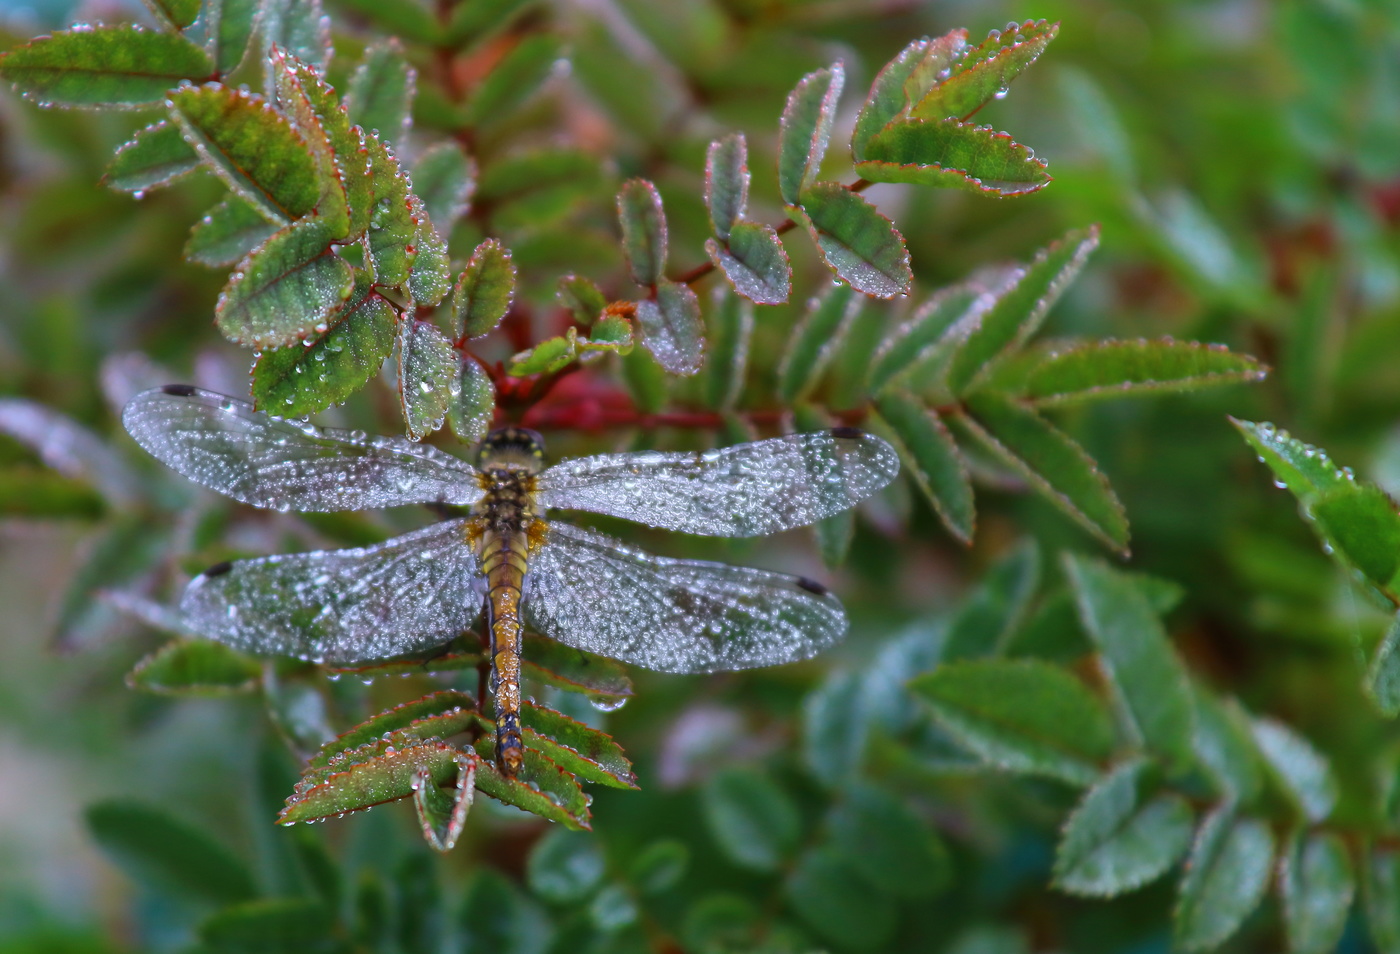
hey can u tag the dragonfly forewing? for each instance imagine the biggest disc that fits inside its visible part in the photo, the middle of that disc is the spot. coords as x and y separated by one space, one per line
266 461
740 491
594 593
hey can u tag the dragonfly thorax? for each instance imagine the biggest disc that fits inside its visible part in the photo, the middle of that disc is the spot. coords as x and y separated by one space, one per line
512 447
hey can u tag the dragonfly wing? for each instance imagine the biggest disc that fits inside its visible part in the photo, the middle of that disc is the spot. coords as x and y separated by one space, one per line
740 491
265 461
595 593
407 594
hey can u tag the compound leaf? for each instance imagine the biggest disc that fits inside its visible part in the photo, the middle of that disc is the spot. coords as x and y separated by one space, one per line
855 241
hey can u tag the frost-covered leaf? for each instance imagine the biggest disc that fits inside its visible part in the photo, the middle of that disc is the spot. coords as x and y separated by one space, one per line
1226 876
285 290
1137 656
952 154
472 408
903 81
542 787
672 329
754 261
891 846
1302 771
814 340
855 241
995 609
251 146
484 290
227 26
442 812
585 301
546 357
376 774
304 378
731 328
932 458
427 366
228 232
588 753
155 156
438 715
104 67
444 177
754 821
1317 887
983 73
806 129
1121 837
1108 369
516 77
297 27
1021 716
1050 462
380 96
70 448
430 271
643 231
727 183
392 225
195 667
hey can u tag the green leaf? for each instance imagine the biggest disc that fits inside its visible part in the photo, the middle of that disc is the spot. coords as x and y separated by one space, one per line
591 755
610 333
444 177
1364 529
578 671
427 367
286 290
836 532
585 301
393 229
227 26
984 72
484 290
472 408
952 154
1050 462
932 458
542 788
1226 877
911 72
302 379
1022 716
805 130
195 667
672 328
292 79
1381 893
754 262
1225 746
731 328
380 95
889 845
727 183
814 341
992 613
413 20
643 231
438 715
1020 308
1305 470
430 272
1301 771
929 338
1137 657
565 867
495 915
229 231
250 146
516 77
168 853
1317 887
298 28
372 775
1109 369
1383 675
442 812
1118 840
646 381
830 895
35 493
270 926
754 821
550 355
105 67
155 156
176 14
659 866
855 241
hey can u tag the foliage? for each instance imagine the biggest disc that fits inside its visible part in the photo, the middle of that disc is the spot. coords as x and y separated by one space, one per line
443 217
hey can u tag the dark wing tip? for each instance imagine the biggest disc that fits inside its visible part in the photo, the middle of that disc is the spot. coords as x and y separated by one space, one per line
812 586
847 433
179 390
218 569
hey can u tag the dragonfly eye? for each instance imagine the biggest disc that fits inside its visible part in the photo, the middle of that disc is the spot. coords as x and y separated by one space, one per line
512 445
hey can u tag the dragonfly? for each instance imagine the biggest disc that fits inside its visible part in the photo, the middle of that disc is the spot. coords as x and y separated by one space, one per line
504 560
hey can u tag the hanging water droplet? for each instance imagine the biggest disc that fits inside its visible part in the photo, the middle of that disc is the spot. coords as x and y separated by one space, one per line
607 703
1001 93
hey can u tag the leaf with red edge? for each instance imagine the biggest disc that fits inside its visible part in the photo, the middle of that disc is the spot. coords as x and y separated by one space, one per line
228 232
585 301
227 26
755 262
947 152
427 366
546 357
291 79
472 409
727 182
384 776
380 97
609 333
429 271
855 241
983 73
155 156
672 329
104 68
583 750
442 811
484 290
542 787
392 226
932 458
438 715
1107 369
558 665
805 129
902 81
297 26
643 231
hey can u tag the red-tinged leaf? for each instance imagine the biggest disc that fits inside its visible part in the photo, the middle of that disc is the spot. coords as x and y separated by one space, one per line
176 14
932 457
484 290
558 665
814 341
1050 462
591 755
104 68
903 81
857 243
643 231
727 182
227 26
155 156
984 72
392 228
950 153
609 333
380 97
442 812
251 146
542 787
585 301
672 329
229 231
195 667
429 271
286 290
384 777
302 379
297 26
548 356
1106 369
439 715
1020 308
291 78
472 409
755 263
806 129
427 367
515 78
444 177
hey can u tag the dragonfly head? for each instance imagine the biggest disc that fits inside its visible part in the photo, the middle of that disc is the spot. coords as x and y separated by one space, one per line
517 447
